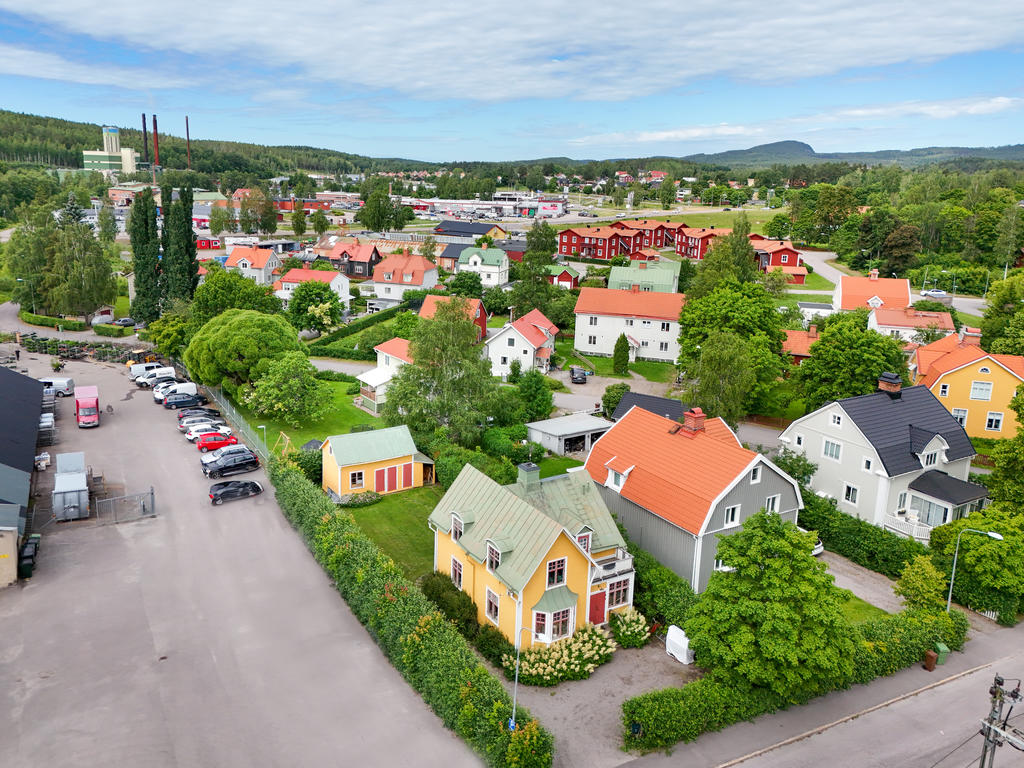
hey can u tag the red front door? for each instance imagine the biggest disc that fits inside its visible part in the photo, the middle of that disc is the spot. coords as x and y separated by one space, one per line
392 478
597 603
378 481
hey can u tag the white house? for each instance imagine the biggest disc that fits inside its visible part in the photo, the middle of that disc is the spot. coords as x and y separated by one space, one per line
896 458
530 340
338 283
490 263
395 275
906 323
255 263
391 355
649 320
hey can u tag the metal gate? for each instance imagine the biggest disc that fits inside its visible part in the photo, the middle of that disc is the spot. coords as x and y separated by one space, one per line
124 509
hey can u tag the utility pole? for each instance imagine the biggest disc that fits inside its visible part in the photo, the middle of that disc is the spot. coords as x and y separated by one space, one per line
993 728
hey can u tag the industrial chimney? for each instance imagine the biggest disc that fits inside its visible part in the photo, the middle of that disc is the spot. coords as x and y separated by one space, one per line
188 144
156 144
145 140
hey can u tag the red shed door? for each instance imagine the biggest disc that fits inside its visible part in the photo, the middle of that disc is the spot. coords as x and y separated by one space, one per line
407 475
392 478
378 481
597 603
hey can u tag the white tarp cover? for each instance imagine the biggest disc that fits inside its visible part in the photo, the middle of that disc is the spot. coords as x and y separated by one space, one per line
677 645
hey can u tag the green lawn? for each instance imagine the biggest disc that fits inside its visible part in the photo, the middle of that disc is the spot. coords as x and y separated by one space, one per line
858 611
791 299
967 319
497 321
557 465
662 373
602 366
398 525
816 282
339 420
121 307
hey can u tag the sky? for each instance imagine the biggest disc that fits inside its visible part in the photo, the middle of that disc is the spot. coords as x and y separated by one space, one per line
534 78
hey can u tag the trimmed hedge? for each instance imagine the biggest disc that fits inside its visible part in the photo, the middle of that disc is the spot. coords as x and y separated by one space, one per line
858 540
342 352
662 718
51 322
658 593
112 330
335 376
357 325
458 607
425 647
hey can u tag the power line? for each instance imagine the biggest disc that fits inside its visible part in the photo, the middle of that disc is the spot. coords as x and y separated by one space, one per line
954 749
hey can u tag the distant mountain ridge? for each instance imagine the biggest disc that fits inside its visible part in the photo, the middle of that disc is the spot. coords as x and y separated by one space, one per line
796 152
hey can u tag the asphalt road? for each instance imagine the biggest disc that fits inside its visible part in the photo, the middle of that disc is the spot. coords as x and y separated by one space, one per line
9 322
207 636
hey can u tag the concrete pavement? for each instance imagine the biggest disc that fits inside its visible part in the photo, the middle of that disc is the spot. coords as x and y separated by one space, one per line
819 260
353 367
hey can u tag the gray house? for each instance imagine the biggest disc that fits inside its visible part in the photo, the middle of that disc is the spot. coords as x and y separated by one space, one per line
678 487
896 458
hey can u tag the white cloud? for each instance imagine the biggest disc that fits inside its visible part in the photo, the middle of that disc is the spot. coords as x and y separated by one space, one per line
687 133
536 49
25 62
933 109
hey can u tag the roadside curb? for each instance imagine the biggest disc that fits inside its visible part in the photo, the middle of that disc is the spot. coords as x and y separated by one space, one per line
854 716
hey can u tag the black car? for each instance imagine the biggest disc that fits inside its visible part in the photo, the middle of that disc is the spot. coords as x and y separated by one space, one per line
234 489
577 375
232 464
184 413
184 401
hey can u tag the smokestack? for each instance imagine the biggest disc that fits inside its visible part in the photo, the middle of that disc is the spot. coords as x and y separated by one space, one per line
188 144
145 140
156 144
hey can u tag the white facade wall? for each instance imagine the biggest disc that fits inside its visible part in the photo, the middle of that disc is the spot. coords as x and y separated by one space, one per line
597 334
339 285
507 345
896 331
395 291
490 276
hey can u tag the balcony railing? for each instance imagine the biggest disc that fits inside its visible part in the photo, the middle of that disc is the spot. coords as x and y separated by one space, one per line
910 528
610 567
368 393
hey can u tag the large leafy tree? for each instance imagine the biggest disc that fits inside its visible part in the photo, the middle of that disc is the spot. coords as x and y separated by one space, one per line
318 221
1006 483
223 290
221 220
227 349
466 284
298 219
620 355
249 212
179 268
731 258
378 212
847 360
289 390
536 395
448 383
667 193
1005 300
83 279
28 255
145 239
314 306
533 291
722 377
773 622
106 224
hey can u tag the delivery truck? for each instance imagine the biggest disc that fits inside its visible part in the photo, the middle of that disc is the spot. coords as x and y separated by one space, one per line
87 406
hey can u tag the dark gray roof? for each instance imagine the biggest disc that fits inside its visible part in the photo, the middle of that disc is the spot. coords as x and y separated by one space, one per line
812 305
312 445
662 406
898 428
516 246
941 486
22 399
468 228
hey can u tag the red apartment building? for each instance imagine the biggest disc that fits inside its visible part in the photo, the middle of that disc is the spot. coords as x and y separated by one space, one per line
693 242
656 234
599 242
779 254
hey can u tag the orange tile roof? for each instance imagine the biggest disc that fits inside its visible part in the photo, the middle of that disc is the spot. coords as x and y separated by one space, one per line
772 246
676 474
356 251
400 264
257 257
535 328
798 343
308 275
612 301
966 354
908 317
430 302
929 353
395 347
894 292
645 254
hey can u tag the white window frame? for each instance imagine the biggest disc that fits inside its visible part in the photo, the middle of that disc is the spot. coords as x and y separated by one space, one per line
456 567
930 459
666 327
721 567
457 527
959 413
489 593
867 463
996 416
847 488
511 341
569 624
837 420
351 479
592 340
798 440
943 390
731 515
975 385
663 346
824 450
628 593
584 540
629 322
755 475
901 500
497 564
592 320
565 572
771 503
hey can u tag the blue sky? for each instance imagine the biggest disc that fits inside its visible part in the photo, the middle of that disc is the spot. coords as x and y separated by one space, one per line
506 81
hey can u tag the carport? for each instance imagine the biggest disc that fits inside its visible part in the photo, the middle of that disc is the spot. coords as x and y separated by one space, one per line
563 435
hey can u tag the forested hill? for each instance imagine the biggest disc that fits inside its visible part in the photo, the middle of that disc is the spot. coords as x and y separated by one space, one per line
796 152
52 141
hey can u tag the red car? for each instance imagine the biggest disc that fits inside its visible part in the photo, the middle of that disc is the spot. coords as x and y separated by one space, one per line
213 440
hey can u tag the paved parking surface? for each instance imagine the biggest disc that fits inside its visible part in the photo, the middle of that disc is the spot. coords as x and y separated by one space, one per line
202 637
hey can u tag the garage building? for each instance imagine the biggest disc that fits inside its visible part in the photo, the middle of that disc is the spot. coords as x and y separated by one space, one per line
563 435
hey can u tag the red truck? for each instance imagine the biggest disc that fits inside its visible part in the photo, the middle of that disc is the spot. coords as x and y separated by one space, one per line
87 406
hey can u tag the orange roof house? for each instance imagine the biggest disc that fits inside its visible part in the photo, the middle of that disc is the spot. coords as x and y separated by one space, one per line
255 263
693 242
475 308
648 319
530 340
925 355
678 487
647 304
905 323
872 292
798 343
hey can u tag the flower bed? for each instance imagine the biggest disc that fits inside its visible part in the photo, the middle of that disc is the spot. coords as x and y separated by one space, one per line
629 628
574 658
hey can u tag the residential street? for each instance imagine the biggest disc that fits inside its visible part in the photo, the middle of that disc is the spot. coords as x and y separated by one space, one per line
9 322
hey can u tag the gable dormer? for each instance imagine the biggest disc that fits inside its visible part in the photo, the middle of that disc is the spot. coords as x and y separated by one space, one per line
932 454
618 471
875 302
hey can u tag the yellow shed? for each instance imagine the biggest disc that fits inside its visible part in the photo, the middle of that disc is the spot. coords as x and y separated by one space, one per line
381 460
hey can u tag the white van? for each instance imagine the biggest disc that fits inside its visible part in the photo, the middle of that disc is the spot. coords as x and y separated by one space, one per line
138 369
145 379
62 386
181 388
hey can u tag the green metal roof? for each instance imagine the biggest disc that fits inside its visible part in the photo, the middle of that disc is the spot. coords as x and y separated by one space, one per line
557 599
557 269
366 447
651 279
492 257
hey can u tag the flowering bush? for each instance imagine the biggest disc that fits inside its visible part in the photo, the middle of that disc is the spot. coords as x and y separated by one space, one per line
574 658
630 628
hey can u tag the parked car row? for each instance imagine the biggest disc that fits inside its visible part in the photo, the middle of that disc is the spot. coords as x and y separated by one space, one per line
221 453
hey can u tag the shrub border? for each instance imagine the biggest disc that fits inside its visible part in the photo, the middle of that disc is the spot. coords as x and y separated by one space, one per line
50 322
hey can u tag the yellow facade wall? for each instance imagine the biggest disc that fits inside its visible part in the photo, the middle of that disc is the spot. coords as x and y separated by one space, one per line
8 557
958 395
577 579
342 485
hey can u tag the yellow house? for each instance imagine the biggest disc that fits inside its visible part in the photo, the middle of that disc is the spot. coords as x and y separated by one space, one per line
381 460
540 558
973 385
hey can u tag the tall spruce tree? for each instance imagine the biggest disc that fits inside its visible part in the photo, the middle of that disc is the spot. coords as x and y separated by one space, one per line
145 239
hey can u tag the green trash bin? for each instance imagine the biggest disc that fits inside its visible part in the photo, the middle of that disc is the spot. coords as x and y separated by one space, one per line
943 651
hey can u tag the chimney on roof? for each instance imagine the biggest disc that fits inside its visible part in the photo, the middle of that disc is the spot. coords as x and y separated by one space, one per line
891 384
483 245
712 226
812 331
357 241
634 288
407 251
873 275
693 420
529 475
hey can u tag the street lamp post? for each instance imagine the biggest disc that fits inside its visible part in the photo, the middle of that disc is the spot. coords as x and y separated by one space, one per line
956 552
264 428
515 685
32 287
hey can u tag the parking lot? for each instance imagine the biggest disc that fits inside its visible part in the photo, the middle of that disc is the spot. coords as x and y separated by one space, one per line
204 636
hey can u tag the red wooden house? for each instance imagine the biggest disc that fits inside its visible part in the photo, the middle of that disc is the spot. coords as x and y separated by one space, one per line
693 242
476 310
599 242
